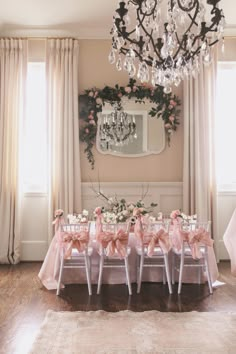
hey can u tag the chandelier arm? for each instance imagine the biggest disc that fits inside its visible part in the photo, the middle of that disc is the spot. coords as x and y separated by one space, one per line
150 38
186 9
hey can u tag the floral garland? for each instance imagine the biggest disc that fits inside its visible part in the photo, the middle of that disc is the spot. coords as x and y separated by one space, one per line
92 101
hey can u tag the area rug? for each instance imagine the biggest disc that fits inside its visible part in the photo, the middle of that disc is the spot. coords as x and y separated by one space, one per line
129 332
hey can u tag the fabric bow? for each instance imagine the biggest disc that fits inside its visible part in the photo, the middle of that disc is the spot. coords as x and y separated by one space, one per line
195 239
161 239
58 222
114 242
78 240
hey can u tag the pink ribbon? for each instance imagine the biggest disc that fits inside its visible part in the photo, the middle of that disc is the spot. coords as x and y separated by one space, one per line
195 239
138 229
98 225
78 240
160 238
114 242
57 222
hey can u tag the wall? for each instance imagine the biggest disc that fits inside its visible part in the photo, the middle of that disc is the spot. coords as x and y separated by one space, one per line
95 70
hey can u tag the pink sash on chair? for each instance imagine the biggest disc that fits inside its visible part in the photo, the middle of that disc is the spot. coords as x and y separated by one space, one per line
160 238
114 242
195 239
78 240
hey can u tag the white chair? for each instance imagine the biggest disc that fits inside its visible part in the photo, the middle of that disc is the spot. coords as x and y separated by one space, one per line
75 251
153 246
114 250
195 238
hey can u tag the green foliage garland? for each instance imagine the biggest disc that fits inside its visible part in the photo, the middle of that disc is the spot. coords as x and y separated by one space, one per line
92 100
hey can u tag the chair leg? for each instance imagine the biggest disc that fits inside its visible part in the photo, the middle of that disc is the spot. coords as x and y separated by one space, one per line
208 274
60 274
173 268
88 273
100 273
167 272
164 277
181 270
140 273
127 275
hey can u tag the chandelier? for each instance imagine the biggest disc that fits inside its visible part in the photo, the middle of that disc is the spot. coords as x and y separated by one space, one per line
117 128
164 41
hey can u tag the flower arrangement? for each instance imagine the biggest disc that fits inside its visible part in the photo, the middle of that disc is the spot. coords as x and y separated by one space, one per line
179 215
78 218
166 106
119 210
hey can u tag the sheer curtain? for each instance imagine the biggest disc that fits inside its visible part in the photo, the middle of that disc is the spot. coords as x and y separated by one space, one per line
199 182
63 118
13 68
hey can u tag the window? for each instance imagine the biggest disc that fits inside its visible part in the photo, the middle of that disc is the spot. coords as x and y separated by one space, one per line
226 126
34 175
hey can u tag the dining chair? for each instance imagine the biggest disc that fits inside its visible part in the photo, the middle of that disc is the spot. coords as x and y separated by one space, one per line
113 250
152 247
195 239
75 251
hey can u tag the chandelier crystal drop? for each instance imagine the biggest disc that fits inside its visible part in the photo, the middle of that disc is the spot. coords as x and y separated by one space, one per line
117 128
165 41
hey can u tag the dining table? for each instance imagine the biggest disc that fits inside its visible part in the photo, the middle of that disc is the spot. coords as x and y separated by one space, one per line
49 271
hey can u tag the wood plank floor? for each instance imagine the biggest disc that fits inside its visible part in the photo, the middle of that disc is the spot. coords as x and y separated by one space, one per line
24 301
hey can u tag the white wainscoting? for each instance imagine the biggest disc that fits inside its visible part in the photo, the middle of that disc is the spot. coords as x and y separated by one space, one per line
34 223
226 205
34 226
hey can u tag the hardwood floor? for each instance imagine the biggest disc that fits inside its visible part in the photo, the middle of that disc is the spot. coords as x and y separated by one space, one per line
24 301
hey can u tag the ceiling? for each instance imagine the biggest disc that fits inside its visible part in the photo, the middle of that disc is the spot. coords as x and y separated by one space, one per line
79 18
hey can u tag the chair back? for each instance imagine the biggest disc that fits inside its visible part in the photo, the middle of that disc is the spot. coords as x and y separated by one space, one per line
74 236
198 237
113 239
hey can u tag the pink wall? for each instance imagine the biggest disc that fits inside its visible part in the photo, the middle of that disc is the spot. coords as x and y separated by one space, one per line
95 70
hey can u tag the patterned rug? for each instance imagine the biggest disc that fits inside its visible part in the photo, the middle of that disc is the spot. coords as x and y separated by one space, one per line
129 332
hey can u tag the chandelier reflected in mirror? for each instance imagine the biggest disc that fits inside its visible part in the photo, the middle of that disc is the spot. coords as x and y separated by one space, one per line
164 41
117 128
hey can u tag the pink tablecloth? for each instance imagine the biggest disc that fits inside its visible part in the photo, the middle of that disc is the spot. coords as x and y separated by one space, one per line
230 241
50 268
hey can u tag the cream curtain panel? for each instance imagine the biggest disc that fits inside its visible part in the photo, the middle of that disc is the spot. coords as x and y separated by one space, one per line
63 118
199 185
13 68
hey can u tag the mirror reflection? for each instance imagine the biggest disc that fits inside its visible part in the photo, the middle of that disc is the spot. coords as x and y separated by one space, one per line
129 132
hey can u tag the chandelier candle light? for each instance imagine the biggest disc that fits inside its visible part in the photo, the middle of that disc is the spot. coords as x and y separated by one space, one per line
164 41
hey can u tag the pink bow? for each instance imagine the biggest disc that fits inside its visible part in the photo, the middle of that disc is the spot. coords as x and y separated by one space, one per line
114 242
78 240
195 239
161 239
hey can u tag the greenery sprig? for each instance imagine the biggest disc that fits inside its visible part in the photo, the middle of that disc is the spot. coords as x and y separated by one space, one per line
92 100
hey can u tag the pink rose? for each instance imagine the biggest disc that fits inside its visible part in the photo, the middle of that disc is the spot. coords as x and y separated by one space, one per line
127 89
170 106
120 94
167 125
95 94
175 214
173 103
135 88
86 131
90 116
98 211
58 212
92 122
171 118
91 94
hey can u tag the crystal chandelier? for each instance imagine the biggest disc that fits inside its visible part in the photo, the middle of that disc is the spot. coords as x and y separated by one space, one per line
164 41
117 128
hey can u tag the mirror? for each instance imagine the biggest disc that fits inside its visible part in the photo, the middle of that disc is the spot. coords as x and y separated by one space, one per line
149 137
